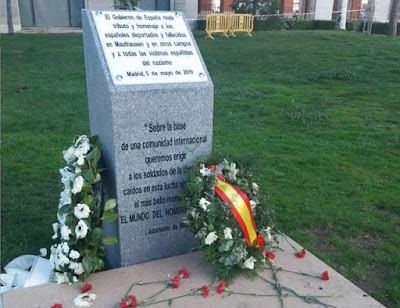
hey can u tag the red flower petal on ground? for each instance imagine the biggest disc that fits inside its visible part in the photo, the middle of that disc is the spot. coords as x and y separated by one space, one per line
300 254
86 288
260 241
205 291
174 282
325 276
270 255
57 305
123 304
183 273
133 300
221 287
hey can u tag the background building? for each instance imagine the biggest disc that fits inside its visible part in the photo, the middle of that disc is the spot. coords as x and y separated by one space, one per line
67 13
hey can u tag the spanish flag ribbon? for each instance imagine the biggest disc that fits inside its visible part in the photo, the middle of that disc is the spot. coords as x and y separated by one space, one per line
240 207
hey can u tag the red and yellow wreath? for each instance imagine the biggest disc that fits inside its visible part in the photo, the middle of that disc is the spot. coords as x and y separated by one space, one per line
227 214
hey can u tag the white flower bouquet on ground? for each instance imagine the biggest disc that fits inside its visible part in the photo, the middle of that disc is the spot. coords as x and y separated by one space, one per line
79 250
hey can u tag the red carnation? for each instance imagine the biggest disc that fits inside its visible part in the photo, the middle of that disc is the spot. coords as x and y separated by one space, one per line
260 241
183 273
123 304
132 300
86 288
57 305
300 254
174 282
204 291
270 255
325 275
222 287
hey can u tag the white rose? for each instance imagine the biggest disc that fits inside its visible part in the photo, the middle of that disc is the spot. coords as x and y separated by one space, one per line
65 232
81 229
249 263
55 229
81 157
78 184
73 265
78 269
268 232
65 197
61 277
253 204
255 188
228 233
82 139
61 218
74 254
81 210
211 238
84 148
81 160
66 176
204 171
85 300
65 248
62 260
53 257
204 203
69 155
232 172
43 252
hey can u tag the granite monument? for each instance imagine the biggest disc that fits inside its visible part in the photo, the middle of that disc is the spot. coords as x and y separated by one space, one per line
151 104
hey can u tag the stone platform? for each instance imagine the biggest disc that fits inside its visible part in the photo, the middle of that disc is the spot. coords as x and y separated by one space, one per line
111 286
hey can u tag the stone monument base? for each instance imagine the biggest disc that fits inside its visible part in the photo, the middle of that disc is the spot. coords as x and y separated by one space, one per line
111 286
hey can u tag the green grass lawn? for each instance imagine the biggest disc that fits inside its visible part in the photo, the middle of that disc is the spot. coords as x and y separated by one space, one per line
317 114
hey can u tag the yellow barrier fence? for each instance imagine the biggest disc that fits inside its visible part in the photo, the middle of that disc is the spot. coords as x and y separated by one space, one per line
241 23
229 23
217 23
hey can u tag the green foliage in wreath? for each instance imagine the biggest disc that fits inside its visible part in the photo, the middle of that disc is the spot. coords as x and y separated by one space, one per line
221 239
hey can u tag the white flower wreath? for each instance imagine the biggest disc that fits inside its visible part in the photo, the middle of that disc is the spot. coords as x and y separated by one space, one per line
80 250
233 224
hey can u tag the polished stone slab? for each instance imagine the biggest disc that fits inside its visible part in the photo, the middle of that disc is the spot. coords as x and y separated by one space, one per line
111 286
151 126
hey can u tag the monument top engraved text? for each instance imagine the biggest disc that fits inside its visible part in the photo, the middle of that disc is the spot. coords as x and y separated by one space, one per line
148 48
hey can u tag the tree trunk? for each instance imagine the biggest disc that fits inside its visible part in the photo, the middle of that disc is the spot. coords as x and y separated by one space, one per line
343 14
9 18
392 31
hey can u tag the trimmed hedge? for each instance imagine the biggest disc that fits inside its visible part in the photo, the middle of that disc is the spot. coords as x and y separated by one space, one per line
311 24
201 24
324 24
379 27
349 25
272 23
299 24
